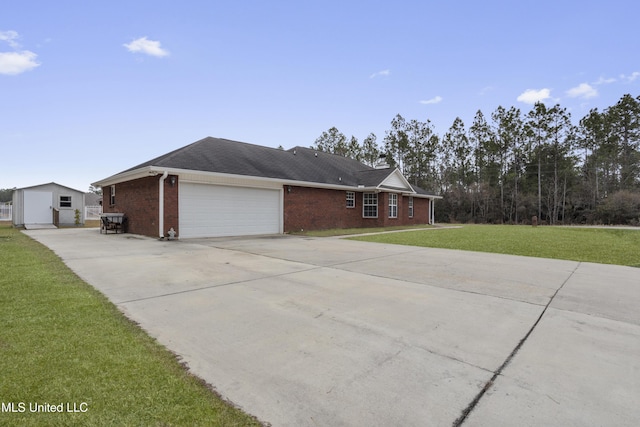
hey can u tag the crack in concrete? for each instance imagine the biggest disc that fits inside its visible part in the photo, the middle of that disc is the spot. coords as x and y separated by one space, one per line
219 285
465 413
311 267
434 285
400 341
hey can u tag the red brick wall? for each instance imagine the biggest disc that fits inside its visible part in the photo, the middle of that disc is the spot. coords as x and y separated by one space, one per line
138 200
420 211
304 208
319 209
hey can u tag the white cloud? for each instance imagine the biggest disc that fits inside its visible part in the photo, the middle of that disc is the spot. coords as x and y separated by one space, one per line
531 96
383 73
602 81
583 90
433 100
630 78
486 90
10 37
17 62
146 46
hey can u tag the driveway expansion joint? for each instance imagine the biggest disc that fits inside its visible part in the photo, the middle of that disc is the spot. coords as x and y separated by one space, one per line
219 285
465 413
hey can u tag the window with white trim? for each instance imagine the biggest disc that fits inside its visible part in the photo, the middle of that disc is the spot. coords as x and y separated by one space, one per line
410 207
351 199
393 205
65 201
112 200
369 205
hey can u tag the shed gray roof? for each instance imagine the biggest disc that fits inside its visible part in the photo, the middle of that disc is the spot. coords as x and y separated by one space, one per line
50 184
296 164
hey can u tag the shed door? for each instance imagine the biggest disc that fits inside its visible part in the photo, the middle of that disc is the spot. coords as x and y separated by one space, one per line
37 207
207 210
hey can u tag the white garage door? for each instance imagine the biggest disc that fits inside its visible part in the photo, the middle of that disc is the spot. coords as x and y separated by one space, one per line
213 210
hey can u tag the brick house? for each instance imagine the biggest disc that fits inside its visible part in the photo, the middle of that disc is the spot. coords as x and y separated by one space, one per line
218 187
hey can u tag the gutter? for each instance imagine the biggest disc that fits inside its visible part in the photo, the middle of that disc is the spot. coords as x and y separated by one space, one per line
126 176
187 175
161 205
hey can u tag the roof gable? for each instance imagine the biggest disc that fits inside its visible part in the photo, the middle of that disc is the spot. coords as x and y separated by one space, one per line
396 181
50 184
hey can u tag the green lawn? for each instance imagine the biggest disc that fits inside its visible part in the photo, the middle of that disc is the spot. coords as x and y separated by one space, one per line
62 342
600 245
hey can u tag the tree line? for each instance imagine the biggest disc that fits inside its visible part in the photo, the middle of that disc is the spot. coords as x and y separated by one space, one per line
6 195
514 165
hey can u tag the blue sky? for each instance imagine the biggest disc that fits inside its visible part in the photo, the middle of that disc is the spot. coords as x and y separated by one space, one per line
89 89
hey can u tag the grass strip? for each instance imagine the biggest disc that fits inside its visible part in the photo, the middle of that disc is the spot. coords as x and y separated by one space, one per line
63 344
598 245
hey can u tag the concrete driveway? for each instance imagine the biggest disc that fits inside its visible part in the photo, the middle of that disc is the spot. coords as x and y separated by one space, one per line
329 332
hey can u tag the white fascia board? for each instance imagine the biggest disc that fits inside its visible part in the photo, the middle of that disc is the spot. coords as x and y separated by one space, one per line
259 181
126 176
188 175
331 186
422 196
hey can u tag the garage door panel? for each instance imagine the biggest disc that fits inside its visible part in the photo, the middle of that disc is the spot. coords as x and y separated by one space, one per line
212 210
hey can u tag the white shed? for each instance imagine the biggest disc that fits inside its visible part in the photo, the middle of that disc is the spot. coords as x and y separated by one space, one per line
47 205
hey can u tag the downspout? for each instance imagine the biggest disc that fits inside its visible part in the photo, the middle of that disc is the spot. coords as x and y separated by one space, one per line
431 211
161 205
432 203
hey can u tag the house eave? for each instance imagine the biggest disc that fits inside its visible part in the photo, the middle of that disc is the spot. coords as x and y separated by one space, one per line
187 175
126 176
391 189
422 196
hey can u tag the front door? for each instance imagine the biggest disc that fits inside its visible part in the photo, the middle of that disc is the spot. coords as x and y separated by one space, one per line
37 207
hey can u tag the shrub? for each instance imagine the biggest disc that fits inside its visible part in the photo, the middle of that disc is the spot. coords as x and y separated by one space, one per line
622 207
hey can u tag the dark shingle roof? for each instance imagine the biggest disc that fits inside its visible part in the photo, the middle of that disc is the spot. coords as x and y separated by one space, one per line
373 177
239 158
224 156
297 164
